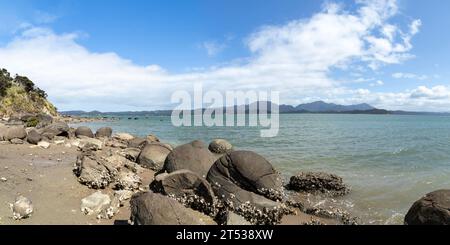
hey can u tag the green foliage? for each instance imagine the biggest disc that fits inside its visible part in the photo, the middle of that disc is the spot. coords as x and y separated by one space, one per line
32 122
20 94
5 81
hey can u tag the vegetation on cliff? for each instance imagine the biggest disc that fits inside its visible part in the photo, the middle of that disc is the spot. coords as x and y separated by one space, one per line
19 95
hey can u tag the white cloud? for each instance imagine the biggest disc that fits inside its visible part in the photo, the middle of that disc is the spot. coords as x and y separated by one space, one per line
400 75
213 48
295 58
377 83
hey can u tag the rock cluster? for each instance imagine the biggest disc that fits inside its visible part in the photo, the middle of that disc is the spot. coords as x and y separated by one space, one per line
318 183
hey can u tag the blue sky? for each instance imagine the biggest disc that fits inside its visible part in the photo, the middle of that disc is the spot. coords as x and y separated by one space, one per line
132 55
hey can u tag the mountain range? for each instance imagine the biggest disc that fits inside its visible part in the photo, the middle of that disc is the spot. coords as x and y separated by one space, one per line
314 107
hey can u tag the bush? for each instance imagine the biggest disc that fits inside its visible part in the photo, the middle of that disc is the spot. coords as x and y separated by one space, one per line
32 122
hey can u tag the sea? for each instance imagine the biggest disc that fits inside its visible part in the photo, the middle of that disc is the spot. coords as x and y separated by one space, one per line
389 161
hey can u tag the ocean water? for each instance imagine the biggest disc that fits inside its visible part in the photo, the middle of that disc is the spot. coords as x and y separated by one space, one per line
389 161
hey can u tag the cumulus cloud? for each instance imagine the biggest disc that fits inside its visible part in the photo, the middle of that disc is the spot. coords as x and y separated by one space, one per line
295 58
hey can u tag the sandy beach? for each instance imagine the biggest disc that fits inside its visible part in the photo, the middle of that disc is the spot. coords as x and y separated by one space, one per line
46 177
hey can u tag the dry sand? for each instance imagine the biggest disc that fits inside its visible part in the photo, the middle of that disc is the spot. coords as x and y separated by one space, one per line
45 177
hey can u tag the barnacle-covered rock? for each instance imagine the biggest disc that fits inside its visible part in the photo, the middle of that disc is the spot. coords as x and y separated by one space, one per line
22 208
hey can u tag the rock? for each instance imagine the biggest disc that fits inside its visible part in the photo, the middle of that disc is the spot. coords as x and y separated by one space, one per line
131 154
248 171
432 209
55 129
123 137
3 130
193 156
44 121
95 203
123 195
17 141
152 138
114 143
90 143
105 132
193 190
137 142
318 183
93 173
155 209
15 132
34 137
22 208
44 144
127 180
153 156
3 179
220 146
84 131
236 219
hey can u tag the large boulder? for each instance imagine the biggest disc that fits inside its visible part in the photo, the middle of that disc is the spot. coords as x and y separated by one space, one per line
104 132
248 171
318 183
432 209
84 131
95 203
153 156
155 209
55 129
123 137
193 156
15 132
34 137
220 146
189 187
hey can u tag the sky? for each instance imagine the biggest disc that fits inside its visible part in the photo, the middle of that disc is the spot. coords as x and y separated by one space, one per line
112 55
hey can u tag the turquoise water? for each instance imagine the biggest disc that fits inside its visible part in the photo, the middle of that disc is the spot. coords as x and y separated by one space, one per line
389 161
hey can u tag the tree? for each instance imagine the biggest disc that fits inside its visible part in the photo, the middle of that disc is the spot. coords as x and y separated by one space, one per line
5 81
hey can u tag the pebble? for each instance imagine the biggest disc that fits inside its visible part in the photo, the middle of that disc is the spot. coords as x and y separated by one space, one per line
3 179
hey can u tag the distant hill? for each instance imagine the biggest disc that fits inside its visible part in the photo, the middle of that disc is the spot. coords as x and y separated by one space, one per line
315 107
19 95
320 106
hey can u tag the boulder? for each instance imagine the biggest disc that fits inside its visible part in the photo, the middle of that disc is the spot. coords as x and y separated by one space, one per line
22 208
34 137
104 132
95 203
153 156
155 209
318 183
432 209
248 171
193 156
84 131
92 172
137 142
131 154
55 129
192 189
44 121
220 146
15 132
90 143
